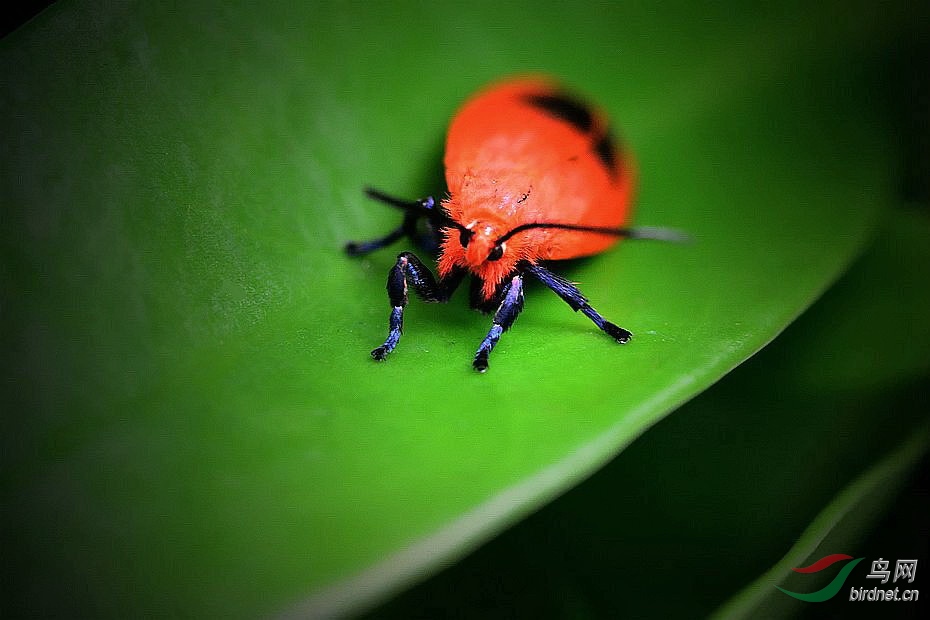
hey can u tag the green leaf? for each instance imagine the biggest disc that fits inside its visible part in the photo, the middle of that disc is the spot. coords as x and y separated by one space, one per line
797 454
194 423
844 521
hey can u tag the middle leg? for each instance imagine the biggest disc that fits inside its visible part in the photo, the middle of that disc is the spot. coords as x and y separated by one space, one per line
573 297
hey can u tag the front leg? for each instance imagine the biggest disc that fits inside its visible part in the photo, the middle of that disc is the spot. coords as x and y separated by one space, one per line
506 314
406 271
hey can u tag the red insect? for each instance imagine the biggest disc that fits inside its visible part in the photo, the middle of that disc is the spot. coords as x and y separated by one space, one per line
533 175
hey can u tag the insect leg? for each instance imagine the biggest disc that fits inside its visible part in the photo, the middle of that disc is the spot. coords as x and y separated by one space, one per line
573 297
506 314
413 211
410 270
357 248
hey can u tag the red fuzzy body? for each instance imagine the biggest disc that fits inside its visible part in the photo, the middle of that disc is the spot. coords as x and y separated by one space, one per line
511 159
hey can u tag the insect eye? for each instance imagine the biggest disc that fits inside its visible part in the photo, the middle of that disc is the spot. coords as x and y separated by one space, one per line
464 237
496 252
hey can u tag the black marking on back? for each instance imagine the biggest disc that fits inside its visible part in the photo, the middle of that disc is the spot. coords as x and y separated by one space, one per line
606 152
565 108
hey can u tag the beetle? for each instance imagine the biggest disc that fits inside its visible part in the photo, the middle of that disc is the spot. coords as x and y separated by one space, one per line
533 174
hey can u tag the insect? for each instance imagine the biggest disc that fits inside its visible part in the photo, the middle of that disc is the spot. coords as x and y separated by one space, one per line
533 175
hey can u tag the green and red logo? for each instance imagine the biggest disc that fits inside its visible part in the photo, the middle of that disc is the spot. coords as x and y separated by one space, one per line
831 589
